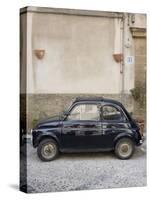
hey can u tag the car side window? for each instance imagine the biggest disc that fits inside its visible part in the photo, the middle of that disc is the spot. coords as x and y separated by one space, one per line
84 112
111 113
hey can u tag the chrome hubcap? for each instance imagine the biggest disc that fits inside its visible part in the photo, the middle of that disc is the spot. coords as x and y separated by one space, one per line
48 151
125 149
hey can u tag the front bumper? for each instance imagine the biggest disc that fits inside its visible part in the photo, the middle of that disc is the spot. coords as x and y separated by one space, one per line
141 141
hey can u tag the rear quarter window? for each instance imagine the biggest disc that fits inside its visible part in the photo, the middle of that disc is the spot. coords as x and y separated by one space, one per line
111 113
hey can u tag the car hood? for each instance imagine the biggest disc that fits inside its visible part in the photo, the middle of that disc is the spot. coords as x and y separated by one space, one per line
51 120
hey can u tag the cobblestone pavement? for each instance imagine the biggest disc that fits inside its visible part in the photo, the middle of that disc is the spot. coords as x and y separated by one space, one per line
80 171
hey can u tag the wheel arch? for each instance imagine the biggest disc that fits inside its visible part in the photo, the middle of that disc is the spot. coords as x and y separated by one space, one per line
123 135
48 136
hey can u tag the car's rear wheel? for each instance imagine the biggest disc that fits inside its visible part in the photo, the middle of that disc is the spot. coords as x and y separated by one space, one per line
124 148
47 150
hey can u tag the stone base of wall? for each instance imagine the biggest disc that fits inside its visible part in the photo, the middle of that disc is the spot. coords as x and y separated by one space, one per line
40 106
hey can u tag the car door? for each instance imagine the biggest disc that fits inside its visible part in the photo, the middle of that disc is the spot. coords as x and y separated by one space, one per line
114 122
81 128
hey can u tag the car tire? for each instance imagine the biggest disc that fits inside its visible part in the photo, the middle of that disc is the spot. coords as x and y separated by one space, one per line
124 148
47 150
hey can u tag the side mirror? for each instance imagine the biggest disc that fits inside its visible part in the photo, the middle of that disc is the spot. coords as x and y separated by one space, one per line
66 113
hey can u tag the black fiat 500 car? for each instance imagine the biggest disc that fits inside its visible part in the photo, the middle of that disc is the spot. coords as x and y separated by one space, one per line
89 125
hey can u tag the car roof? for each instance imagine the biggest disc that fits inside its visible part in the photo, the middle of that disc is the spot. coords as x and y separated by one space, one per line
100 100
96 99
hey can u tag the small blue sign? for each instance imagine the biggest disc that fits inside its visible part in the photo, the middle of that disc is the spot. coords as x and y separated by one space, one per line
129 60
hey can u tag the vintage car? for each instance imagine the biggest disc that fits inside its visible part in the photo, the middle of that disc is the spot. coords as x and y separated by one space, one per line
89 125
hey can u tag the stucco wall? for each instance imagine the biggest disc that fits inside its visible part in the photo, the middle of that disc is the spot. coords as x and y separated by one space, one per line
23 55
78 54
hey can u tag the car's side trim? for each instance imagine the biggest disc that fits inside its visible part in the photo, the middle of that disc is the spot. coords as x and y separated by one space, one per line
71 150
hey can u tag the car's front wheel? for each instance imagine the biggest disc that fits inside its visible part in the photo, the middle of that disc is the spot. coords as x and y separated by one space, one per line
47 150
124 148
